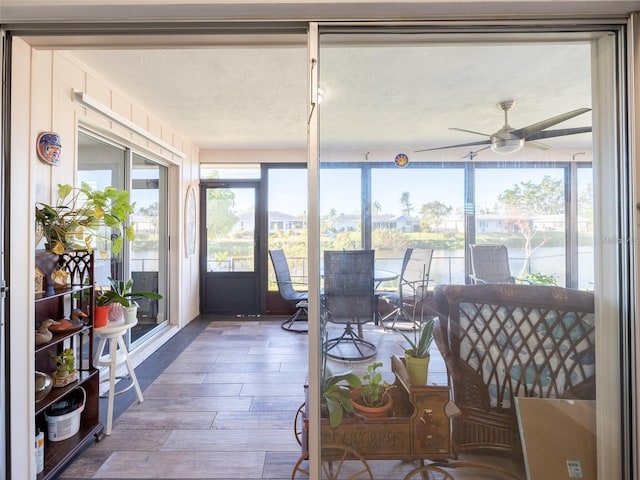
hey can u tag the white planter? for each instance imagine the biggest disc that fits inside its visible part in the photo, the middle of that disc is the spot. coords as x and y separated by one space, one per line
131 314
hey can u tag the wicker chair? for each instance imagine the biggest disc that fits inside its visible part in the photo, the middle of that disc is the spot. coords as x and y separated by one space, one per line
502 341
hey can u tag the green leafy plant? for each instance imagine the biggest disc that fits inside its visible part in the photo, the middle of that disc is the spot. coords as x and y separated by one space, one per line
101 299
421 342
65 362
336 391
121 292
374 387
542 279
80 216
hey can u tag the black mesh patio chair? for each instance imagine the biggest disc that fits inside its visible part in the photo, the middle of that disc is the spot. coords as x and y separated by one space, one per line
490 264
407 301
297 298
349 300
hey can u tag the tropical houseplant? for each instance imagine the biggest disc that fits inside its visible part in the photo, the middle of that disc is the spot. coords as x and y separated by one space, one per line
336 398
417 354
372 398
82 215
122 293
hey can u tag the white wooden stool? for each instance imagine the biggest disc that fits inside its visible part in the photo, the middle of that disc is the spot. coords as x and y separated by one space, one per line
115 336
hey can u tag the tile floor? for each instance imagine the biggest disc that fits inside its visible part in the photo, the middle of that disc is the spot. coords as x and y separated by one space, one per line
220 399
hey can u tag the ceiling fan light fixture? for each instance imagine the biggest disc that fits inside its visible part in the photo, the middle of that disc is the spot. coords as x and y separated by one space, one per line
506 146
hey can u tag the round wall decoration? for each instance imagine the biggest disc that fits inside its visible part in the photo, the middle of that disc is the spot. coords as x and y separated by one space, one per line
49 146
401 160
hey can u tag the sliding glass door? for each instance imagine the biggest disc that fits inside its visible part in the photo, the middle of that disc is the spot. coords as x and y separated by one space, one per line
103 163
442 140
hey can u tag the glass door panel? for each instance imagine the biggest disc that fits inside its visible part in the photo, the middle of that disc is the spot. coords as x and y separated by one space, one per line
230 247
414 97
148 260
231 214
102 164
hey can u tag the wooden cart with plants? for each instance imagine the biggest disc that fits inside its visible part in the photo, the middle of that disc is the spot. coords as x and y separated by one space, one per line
416 428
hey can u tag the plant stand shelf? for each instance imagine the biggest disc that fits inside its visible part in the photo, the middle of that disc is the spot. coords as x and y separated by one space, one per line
58 304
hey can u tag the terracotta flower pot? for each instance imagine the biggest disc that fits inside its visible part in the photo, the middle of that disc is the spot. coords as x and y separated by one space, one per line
101 316
371 412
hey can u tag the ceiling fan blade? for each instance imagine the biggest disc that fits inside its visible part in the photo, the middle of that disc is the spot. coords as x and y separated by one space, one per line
484 142
471 155
534 128
536 145
558 133
470 131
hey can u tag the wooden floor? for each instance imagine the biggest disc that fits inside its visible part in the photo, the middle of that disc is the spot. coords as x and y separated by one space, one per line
220 400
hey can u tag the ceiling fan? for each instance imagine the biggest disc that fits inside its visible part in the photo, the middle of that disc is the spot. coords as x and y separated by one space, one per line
510 140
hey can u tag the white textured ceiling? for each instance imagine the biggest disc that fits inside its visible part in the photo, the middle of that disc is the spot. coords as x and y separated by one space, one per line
220 97
400 98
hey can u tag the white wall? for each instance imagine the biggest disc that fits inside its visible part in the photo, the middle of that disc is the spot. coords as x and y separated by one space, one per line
253 156
43 83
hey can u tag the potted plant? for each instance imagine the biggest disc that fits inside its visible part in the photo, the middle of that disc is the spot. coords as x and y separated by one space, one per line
65 368
336 398
122 293
81 214
372 399
101 309
417 353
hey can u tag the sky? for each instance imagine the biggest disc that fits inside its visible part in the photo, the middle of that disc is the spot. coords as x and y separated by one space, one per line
340 189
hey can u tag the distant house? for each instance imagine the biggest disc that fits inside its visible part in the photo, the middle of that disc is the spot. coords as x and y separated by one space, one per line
285 222
386 220
556 223
407 224
498 223
278 221
346 223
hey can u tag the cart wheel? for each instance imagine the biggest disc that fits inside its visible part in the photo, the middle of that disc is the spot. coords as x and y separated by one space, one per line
338 463
301 468
437 472
298 424
428 472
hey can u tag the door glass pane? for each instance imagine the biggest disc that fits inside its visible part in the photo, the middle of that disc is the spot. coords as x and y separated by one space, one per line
102 164
476 174
149 251
231 223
